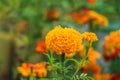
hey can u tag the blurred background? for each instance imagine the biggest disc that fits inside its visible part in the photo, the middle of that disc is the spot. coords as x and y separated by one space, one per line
25 23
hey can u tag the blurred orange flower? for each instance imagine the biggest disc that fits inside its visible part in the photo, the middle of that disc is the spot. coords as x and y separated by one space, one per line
27 69
41 47
82 19
97 18
91 1
39 70
111 46
92 66
84 16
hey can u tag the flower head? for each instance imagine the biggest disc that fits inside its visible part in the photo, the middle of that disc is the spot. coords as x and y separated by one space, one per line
24 69
89 36
63 40
27 69
97 18
41 47
82 19
111 46
85 16
39 70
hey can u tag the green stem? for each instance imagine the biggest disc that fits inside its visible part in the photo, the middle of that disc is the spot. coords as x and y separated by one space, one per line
51 59
62 64
82 61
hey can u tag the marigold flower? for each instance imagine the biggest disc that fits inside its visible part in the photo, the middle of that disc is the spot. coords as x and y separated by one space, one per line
63 40
91 1
39 70
41 47
42 73
89 36
84 16
82 19
111 46
98 19
24 69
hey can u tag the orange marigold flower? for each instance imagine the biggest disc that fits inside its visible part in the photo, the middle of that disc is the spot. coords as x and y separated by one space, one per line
41 47
111 46
89 36
42 72
97 18
64 40
39 70
25 69
82 19
84 16
91 1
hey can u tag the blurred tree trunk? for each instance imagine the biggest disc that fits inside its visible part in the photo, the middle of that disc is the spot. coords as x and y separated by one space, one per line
6 55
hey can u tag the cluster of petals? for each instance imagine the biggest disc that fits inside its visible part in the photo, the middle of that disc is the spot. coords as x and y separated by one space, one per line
27 70
111 46
85 16
89 36
41 47
64 40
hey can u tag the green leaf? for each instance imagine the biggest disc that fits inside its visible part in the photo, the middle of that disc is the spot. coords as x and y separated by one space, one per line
71 59
90 78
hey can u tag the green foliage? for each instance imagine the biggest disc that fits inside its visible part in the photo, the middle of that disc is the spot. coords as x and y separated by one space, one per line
83 77
33 11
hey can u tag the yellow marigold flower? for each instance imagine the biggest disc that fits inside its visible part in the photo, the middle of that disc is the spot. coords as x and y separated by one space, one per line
63 40
101 20
24 69
89 36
